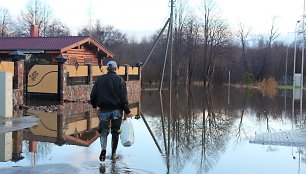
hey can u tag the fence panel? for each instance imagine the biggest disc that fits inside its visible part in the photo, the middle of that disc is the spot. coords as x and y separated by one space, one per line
77 75
43 79
77 71
7 67
133 73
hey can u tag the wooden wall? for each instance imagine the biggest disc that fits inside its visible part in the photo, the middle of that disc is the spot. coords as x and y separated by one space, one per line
82 55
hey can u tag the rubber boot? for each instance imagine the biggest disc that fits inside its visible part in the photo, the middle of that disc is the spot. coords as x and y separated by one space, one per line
103 141
115 139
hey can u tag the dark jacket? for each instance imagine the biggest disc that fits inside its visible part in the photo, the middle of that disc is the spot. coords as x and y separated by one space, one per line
109 93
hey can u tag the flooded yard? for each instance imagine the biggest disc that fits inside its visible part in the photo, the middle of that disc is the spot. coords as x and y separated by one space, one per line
207 132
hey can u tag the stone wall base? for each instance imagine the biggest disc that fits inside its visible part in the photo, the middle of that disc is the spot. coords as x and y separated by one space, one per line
17 98
82 92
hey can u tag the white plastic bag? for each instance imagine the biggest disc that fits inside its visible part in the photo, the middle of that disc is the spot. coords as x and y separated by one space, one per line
127 133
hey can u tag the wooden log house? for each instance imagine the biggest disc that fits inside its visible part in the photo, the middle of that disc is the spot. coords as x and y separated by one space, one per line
78 49
43 73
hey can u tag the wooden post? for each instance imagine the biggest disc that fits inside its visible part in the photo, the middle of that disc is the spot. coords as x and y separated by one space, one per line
89 77
126 75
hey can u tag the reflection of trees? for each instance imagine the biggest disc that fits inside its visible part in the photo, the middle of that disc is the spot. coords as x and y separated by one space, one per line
200 137
216 127
194 136
240 125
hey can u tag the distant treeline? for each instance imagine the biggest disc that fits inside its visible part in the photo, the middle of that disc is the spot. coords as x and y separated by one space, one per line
205 49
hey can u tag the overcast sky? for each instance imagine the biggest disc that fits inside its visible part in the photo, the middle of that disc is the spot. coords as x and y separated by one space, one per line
142 17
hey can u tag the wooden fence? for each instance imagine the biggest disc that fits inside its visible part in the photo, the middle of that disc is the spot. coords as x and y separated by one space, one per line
7 67
44 78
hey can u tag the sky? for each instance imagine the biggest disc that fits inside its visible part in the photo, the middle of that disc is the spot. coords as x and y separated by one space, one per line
140 18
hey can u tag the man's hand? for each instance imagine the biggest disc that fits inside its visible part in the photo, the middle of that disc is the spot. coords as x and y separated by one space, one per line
127 116
96 111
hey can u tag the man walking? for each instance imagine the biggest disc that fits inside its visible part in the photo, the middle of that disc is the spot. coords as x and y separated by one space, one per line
109 93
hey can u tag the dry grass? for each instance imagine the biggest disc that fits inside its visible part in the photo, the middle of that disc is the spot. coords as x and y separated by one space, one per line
268 87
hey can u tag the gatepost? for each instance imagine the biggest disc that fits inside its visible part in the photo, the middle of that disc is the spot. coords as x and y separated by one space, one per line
6 92
19 78
61 81
126 75
6 111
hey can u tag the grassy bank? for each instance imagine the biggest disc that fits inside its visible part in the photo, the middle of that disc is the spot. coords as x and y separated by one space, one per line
289 87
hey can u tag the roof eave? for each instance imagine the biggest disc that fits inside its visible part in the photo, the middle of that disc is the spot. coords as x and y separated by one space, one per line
108 53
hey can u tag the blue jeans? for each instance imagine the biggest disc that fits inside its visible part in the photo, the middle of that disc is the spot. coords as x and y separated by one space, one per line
112 115
109 120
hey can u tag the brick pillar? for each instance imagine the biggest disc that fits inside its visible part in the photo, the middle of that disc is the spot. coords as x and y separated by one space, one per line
60 128
89 68
61 77
139 70
19 74
17 145
60 82
126 75
32 146
33 150
18 80
89 120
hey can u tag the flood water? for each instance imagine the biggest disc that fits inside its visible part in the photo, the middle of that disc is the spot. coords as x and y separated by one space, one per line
207 132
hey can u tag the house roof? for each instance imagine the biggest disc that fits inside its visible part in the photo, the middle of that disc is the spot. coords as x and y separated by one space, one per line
49 43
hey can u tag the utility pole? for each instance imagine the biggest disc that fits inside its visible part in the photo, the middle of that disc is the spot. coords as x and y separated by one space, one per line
171 63
294 56
302 66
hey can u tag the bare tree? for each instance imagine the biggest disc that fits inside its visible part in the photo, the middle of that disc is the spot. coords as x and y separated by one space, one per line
56 28
107 35
39 13
264 52
179 41
5 22
206 10
216 37
243 34
35 12
192 45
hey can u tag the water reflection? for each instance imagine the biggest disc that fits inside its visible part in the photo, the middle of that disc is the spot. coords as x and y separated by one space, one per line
208 132
69 127
72 124
204 121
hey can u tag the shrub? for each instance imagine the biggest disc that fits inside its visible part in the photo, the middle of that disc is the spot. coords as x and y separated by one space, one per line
249 79
268 87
